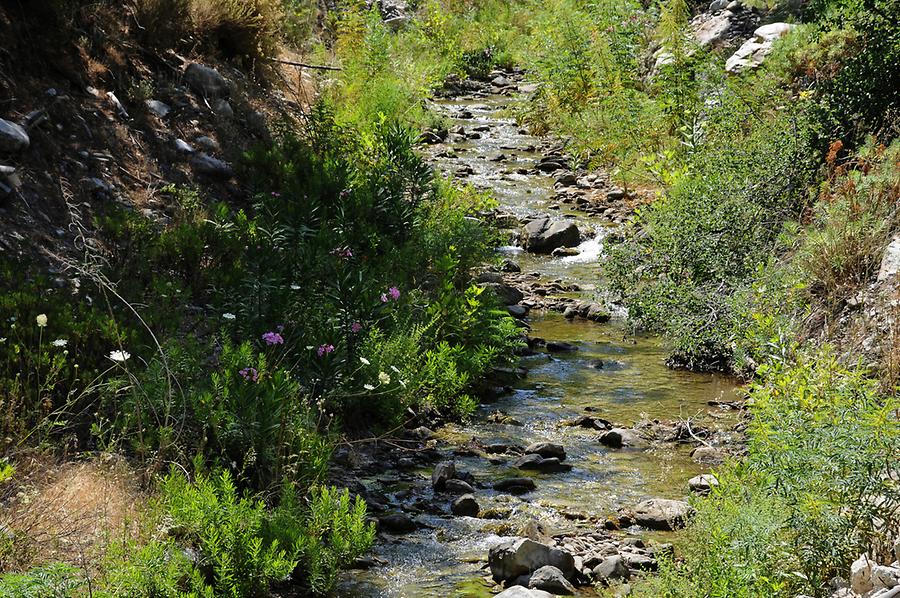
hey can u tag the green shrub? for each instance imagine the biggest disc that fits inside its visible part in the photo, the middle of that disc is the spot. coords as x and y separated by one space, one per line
327 535
228 531
814 491
56 580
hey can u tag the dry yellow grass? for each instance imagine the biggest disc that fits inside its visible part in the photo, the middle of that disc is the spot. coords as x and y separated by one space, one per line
68 512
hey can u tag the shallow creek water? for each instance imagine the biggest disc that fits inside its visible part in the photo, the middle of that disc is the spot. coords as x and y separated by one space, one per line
447 559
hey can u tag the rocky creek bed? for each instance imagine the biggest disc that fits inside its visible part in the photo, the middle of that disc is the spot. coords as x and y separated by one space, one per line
577 471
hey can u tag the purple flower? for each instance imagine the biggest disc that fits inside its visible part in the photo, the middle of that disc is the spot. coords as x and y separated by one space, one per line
345 194
394 292
325 349
342 252
355 327
250 374
384 298
273 338
276 194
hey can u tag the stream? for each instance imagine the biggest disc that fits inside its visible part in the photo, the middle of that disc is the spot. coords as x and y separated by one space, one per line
447 555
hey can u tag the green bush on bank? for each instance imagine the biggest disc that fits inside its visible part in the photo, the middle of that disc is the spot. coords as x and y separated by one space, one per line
815 490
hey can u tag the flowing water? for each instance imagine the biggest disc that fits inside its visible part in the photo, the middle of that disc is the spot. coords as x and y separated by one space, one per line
446 559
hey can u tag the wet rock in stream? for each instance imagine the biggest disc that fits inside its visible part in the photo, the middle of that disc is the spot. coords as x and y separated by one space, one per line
518 485
465 506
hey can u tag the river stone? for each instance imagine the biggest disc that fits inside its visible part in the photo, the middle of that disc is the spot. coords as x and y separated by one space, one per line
206 165
621 437
465 506
861 575
662 514
543 235
509 295
396 523
517 311
442 472
561 347
538 463
884 576
550 579
546 450
205 81
703 483
612 568
522 592
512 558
640 562
515 485
708 455
160 109
13 138
453 486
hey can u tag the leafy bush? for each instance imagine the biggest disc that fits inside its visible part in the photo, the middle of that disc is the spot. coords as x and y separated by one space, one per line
327 535
227 530
56 580
817 488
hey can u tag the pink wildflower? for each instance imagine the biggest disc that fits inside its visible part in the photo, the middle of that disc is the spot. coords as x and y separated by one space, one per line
273 338
355 327
394 292
250 374
325 349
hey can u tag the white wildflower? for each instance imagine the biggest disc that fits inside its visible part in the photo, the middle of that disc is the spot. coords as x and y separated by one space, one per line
368 387
384 378
365 361
228 316
60 342
119 356
295 287
41 320
396 371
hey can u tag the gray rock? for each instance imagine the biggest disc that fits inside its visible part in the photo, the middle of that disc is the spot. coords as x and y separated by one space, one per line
621 437
223 108
508 295
544 235
396 523
640 562
489 277
753 51
517 311
717 5
442 472
206 81
890 261
561 347
207 143
465 506
160 109
521 592
547 450
454 486
538 463
712 31
512 558
13 138
662 513
515 485
510 266
703 483
206 165
612 568
550 579
708 455
183 147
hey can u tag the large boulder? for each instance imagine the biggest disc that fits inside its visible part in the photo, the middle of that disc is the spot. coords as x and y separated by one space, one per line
753 51
550 579
206 81
712 31
662 513
508 560
621 437
507 294
543 235
890 261
515 485
13 138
